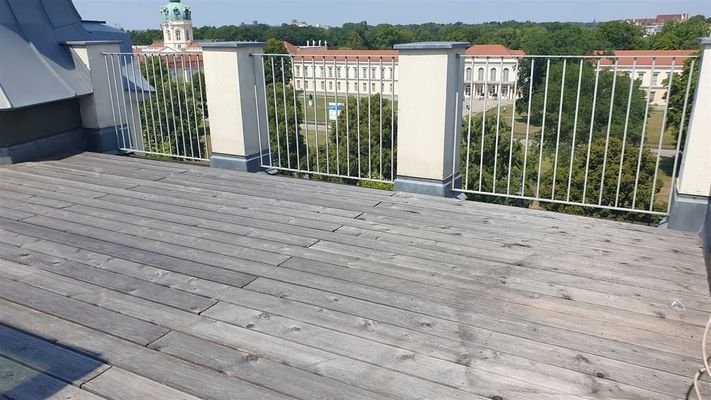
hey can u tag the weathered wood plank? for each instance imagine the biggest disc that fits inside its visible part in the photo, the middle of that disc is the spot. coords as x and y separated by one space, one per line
119 384
209 272
75 311
21 383
455 323
58 362
107 279
161 368
257 369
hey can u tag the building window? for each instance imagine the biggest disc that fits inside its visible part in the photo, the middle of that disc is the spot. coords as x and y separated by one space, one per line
330 72
306 84
167 32
321 84
338 86
298 71
480 74
640 76
372 87
652 96
391 88
655 79
177 35
298 84
468 76
506 77
372 73
320 70
338 72
364 73
306 71
330 85
365 87
492 75
467 90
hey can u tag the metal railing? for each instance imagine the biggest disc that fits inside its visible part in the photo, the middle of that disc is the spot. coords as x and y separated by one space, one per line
330 116
578 132
159 104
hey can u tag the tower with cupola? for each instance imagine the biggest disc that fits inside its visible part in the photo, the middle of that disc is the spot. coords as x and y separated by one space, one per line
177 25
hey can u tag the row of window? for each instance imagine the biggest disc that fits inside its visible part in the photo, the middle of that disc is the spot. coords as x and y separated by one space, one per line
655 78
385 73
339 86
492 74
178 35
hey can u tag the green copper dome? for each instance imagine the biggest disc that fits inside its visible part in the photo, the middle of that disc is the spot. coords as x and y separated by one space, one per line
175 11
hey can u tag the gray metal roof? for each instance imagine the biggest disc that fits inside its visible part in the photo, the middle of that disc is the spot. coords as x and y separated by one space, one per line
35 67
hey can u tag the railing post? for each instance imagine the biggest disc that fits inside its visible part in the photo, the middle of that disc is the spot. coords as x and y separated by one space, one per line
691 193
235 100
429 111
97 112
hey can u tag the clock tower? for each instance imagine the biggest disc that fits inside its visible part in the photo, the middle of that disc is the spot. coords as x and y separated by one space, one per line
177 25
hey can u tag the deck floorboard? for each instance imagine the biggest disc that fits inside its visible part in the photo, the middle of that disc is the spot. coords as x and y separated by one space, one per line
172 280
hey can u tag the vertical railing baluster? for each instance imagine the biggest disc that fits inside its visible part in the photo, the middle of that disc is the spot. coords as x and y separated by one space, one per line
276 112
370 123
180 106
560 121
469 126
266 111
524 177
348 119
644 133
392 119
498 122
680 134
360 172
172 105
195 113
575 129
297 126
661 135
624 134
286 113
306 118
380 95
609 130
338 112
483 122
187 109
590 135
208 150
513 127
157 98
111 95
326 116
543 129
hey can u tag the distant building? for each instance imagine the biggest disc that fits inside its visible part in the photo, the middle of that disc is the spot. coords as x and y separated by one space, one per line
651 67
177 28
181 53
488 69
652 26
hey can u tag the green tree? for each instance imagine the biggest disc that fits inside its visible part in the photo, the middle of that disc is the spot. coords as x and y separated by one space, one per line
356 41
677 98
590 170
606 82
277 69
361 141
173 115
287 148
620 35
488 170
681 35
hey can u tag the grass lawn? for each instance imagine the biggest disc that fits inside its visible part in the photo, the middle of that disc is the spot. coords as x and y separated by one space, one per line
654 129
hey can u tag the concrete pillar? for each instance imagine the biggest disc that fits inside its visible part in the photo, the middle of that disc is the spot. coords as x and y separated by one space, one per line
691 194
96 110
236 103
430 103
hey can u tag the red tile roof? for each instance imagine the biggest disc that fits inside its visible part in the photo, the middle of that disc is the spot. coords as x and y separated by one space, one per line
647 57
493 50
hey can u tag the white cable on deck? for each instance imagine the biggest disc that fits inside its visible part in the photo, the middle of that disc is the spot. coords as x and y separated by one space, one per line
706 368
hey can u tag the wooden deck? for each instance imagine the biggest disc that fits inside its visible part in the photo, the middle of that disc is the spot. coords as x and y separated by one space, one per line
124 278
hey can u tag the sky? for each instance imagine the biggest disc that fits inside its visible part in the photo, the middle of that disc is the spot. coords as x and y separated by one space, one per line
143 14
